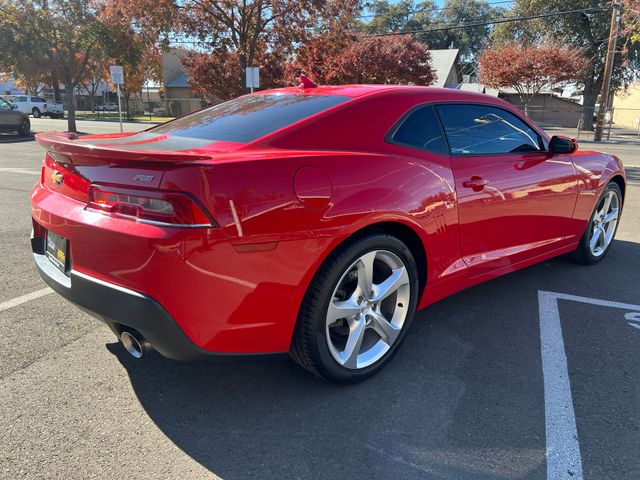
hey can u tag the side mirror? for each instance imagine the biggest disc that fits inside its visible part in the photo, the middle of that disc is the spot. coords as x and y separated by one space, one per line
13 106
561 144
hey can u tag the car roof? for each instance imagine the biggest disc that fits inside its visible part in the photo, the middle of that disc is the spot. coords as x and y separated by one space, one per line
361 90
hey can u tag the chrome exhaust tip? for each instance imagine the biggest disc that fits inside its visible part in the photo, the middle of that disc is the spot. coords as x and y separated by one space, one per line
134 343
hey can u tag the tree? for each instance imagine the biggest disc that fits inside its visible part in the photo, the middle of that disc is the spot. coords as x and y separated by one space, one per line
62 35
587 31
137 52
23 55
408 16
403 16
243 30
469 40
529 69
394 59
214 75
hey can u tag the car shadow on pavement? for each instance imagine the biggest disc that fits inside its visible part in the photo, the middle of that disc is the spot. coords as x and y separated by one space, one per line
463 398
13 138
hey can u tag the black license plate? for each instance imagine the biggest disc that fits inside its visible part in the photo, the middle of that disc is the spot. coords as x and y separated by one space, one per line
57 251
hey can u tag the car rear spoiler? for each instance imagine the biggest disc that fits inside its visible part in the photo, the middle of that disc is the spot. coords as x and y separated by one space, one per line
70 144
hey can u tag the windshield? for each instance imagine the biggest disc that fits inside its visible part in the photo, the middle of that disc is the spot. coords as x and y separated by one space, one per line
247 118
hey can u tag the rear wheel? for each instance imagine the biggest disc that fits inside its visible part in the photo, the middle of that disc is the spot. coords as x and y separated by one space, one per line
601 230
357 310
36 112
25 127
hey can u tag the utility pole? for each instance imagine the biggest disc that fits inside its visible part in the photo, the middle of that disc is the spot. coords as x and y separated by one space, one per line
608 70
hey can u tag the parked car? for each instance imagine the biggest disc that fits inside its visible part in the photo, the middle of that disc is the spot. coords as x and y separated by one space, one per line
12 120
31 105
311 220
107 107
55 110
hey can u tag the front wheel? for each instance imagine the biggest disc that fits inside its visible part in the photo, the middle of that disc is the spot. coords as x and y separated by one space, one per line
357 310
25 127
601 230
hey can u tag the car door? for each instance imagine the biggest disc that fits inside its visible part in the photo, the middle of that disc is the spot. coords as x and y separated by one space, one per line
515 200
8 116
22 104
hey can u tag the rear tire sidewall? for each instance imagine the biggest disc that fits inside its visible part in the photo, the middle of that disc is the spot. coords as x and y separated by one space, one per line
332 369
36 113
588 257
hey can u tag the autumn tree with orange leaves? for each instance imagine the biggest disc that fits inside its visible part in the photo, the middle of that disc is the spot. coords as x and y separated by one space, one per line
529 69
359 59
238 34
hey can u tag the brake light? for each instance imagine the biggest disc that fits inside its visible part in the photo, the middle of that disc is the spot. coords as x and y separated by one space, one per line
169 209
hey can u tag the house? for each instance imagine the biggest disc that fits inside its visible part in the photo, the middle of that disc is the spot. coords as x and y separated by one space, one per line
446 66
546 109
626 107
179 98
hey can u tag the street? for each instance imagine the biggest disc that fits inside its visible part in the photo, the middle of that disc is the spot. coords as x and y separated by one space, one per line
468 396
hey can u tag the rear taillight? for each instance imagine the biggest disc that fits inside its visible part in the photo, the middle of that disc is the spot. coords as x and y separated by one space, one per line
169 209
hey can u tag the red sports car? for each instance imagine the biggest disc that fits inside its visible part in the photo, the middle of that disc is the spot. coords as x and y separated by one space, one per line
310 220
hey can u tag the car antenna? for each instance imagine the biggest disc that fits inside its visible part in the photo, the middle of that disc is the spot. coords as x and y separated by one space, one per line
306 83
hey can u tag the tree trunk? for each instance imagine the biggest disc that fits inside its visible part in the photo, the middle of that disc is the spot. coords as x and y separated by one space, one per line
55 85
592 85
588 109
71 106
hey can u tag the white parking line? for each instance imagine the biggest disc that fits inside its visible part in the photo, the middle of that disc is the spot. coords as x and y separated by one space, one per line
24 298
563 449
26 171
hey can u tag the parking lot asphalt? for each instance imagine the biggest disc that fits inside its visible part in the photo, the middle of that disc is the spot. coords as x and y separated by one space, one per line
469 395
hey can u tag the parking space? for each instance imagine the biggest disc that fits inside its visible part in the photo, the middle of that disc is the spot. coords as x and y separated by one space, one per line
469 396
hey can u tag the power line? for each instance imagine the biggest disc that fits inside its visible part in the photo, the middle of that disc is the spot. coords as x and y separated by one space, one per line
437 9
460 25
490 22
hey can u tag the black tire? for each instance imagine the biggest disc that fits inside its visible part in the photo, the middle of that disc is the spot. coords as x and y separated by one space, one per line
36 112
583 253
309 347
25 127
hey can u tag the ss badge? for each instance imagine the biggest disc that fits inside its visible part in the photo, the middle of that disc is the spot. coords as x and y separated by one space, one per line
143 178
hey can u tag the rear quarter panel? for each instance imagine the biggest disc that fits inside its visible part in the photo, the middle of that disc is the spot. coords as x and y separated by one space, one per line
594 171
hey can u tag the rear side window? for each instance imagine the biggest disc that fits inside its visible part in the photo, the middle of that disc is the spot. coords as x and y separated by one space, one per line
421 130
247 118
483 129
38 100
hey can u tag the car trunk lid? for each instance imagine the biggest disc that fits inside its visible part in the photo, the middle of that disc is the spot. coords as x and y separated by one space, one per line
73 163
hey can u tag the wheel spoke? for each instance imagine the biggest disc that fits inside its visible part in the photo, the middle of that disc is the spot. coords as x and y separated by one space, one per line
398 278
344 309
354 343
595 238
607 204
612 215
387 331
365 273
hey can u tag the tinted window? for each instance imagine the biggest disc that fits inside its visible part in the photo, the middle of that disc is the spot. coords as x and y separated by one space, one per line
481 129
421 130
38 99
20 99
247 118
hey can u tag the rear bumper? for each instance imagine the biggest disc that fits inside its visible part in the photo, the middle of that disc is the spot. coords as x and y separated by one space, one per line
122 309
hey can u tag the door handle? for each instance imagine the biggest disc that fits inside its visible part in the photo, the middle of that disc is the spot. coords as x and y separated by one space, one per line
476 183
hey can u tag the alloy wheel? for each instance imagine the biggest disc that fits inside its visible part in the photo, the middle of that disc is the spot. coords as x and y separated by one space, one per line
368 309
603 225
